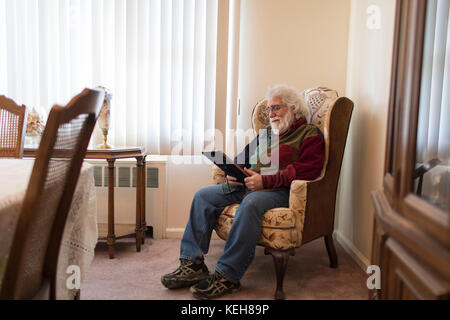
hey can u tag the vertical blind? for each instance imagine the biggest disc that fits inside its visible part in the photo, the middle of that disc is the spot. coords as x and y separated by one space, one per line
433 135
433 140
158 57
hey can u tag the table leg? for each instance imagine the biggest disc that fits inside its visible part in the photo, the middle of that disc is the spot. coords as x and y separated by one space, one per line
138 230
143 199
111 239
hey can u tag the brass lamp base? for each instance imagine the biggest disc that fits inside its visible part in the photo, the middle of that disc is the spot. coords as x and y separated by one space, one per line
104 146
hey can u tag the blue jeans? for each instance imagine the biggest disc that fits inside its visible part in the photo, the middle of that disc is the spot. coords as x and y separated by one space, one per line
245 232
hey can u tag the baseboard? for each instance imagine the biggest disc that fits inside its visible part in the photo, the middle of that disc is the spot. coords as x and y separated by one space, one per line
174 233
177 233
350 248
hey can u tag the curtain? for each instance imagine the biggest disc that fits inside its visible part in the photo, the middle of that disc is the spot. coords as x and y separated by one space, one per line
158 58
433 137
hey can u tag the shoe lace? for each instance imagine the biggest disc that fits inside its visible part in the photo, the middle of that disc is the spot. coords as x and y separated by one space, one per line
214 277
182 266
183 262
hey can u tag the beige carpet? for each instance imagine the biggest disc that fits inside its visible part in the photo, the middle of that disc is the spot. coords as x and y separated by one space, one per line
133 275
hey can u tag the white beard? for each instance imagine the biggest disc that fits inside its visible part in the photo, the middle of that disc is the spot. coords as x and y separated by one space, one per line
284 123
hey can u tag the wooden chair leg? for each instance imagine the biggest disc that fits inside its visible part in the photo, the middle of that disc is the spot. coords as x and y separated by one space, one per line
280 260
331 251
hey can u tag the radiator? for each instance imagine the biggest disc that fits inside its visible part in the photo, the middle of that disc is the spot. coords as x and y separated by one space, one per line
125 193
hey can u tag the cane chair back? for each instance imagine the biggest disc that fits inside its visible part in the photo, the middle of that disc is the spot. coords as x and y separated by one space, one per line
12 128
34 252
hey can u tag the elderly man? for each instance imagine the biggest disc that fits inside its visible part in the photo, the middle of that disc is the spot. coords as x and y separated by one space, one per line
299 149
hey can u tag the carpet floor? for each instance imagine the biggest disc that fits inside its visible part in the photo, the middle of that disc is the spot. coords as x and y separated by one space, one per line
136 275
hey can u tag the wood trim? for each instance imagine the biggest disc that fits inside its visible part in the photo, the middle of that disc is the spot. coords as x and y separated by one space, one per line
116 153
411 235
393 91
397 97
379 240
388 186
402 281
417 276
429 217
410 107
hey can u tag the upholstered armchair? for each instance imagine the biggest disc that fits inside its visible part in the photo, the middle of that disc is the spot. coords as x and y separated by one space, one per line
311 203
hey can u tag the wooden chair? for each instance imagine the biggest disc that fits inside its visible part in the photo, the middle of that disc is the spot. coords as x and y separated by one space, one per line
311 203
12 128
32 264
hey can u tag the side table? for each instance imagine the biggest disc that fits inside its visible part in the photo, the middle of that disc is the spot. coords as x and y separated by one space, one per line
111 155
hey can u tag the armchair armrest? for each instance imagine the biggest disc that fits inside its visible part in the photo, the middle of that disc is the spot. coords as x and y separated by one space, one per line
217 175
297 203
297 196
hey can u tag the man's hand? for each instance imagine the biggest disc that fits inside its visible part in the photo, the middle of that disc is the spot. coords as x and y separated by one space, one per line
232 181
254 182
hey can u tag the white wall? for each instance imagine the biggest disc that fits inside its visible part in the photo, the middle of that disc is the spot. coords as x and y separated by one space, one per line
368 85
298 42
184 179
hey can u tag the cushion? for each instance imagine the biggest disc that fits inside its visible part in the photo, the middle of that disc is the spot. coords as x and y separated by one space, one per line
318 100
278 227
217 175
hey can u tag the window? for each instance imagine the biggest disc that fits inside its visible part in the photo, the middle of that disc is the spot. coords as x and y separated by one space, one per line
158 58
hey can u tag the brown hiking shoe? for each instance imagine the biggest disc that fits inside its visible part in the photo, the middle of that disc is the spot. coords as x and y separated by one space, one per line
186 275
215 286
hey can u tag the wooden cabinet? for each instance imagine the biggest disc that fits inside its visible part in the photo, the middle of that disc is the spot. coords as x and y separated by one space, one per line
411 238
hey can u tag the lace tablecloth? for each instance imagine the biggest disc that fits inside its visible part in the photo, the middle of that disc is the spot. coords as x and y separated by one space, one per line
80 234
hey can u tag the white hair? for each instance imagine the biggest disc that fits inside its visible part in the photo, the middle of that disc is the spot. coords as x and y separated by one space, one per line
292 97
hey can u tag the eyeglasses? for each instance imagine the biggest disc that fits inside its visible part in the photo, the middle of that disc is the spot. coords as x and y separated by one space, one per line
274 108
